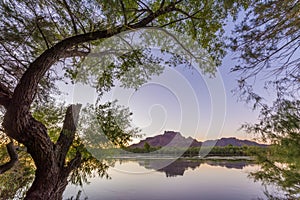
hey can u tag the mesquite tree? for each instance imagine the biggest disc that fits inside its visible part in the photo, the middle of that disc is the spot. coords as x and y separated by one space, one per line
40 39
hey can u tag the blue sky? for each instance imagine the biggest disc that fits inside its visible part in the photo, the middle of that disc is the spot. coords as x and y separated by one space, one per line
181 99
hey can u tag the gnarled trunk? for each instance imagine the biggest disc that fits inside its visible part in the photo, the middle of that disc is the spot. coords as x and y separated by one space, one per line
50 159
51 179
49 183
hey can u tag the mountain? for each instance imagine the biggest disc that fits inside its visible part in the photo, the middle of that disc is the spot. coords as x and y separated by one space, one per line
175 139
231 141
169 138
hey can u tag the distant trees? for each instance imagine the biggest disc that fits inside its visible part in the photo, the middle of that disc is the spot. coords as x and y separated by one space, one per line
147 147
228 150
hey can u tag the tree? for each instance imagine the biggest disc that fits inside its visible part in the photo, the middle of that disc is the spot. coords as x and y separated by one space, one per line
280 163
147 147
267 41
40 39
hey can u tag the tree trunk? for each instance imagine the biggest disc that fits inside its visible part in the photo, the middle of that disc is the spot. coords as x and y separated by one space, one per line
49 158
51 177
49 183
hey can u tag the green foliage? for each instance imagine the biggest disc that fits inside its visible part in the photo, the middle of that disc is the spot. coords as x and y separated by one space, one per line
106 126
28 28
194 151
51 114
280 125
15 182
267 42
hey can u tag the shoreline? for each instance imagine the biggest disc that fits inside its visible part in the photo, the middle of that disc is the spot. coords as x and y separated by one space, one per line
228 158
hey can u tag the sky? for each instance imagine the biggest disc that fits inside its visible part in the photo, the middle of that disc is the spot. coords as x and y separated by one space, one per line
182 99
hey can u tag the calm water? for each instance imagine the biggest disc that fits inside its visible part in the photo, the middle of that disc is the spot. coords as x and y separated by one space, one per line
154 179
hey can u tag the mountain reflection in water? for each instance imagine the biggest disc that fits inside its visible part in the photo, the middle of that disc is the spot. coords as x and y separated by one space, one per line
178 167
166 178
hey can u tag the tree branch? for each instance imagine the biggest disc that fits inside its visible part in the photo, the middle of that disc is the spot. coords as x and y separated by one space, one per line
67 134
42 33
5 95
74 163
162 3
74 53
13 158
71 15
123 10
25 91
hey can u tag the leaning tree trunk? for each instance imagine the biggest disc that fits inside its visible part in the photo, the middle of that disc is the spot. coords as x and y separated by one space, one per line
51 176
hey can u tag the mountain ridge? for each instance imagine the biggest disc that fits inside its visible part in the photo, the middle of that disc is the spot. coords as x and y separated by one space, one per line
175 139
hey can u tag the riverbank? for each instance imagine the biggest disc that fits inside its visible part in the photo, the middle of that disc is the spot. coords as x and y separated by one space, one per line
230 158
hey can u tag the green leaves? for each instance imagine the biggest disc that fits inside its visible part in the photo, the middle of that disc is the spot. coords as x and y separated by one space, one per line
267 42
29 28
106 126
51 115
280 125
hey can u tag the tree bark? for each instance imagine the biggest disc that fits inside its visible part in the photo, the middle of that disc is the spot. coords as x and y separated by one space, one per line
51 180
51 177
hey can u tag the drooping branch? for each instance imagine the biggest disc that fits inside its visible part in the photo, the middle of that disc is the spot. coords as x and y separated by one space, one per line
124 12
67 134
13 158
25 90
42 33
71 16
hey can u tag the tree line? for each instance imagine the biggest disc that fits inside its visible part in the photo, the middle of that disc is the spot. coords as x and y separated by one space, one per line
228 150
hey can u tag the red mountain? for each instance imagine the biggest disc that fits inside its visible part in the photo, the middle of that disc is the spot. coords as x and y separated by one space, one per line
169 138
175 139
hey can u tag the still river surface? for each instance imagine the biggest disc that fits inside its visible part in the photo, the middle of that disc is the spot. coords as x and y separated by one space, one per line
163 179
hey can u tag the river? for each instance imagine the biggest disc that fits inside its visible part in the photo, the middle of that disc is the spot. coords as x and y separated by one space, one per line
164 179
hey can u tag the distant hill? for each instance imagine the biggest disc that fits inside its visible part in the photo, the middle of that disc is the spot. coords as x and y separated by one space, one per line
175 139
169 138
231 141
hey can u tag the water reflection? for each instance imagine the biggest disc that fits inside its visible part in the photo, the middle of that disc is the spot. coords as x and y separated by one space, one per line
178 167
137 179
